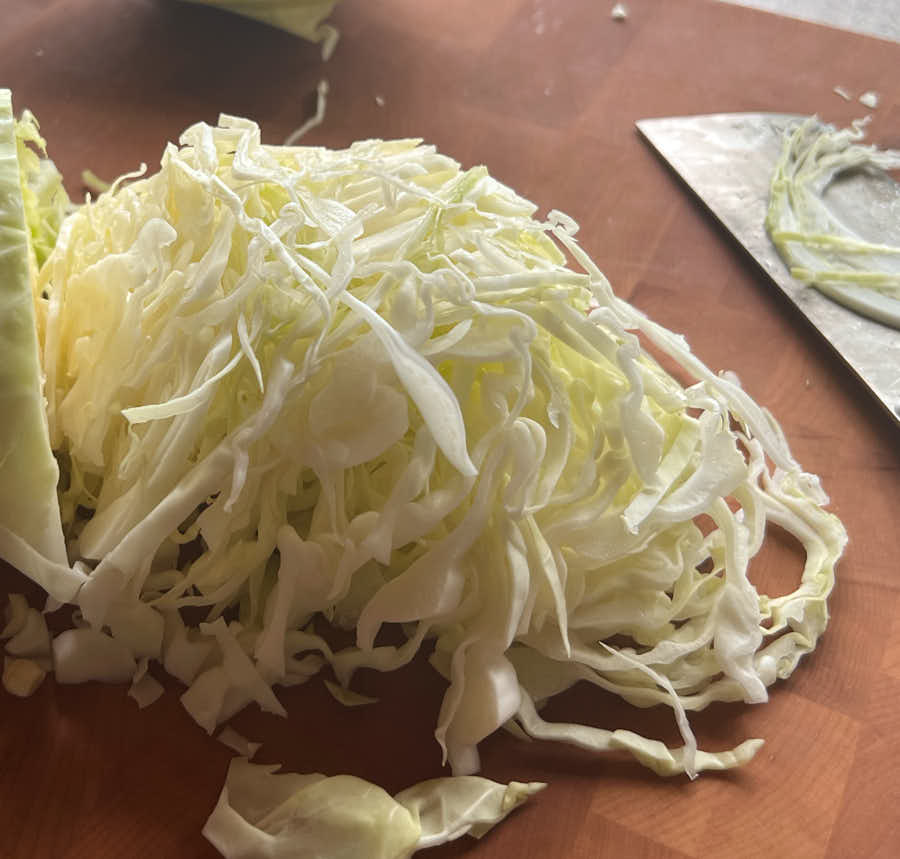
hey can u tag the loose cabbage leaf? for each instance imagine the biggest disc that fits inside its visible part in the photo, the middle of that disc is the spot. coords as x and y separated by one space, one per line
261 814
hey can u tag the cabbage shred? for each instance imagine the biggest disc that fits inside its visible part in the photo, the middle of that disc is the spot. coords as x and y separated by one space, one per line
815 241
365 385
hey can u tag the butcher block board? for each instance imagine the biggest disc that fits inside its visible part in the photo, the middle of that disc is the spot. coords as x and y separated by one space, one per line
545 93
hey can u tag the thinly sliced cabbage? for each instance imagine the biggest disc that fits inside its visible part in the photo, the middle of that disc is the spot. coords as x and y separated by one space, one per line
301 17
365 386
80 655
844 257
448 808
45 199
348 697
529 482
22 677
261 814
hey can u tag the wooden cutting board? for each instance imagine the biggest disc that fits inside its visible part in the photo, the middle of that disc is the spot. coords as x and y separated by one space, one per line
545 93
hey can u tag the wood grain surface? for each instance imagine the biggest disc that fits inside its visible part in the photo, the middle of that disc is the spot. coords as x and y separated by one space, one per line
545 93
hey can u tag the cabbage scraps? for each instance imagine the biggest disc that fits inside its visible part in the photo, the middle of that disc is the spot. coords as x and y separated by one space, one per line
367 387
820 247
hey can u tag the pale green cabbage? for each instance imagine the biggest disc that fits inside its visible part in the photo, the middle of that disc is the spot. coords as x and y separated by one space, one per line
822 248
366 386
28 471
261 813
304 18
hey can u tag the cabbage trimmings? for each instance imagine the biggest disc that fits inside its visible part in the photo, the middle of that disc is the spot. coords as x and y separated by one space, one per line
32 205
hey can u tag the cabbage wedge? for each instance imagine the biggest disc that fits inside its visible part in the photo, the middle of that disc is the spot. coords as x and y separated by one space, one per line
29 513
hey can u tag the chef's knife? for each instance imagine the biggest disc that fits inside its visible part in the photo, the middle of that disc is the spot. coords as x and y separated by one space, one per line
728 160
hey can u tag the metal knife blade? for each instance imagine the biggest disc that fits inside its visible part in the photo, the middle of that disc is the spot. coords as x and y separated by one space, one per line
727 160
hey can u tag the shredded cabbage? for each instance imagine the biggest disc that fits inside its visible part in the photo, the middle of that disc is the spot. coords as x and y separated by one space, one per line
369 387
822 248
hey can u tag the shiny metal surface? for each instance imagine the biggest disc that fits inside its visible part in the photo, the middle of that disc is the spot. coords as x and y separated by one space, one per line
727 160
879 18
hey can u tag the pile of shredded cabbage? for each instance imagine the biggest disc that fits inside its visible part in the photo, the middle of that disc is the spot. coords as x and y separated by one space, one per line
819 246
289 384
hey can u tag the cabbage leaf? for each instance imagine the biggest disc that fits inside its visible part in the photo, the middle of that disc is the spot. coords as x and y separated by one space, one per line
264 813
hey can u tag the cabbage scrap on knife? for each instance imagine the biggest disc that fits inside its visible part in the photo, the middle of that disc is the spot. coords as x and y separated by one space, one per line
292 384
856 264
